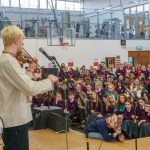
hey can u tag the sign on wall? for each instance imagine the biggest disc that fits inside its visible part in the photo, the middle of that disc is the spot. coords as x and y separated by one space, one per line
70 63
95 62
123 42
139 48
118 61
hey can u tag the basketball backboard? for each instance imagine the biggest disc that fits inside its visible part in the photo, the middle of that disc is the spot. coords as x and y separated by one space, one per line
61 37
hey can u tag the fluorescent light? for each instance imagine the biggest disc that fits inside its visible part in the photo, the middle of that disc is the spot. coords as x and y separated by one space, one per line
107 8
136 1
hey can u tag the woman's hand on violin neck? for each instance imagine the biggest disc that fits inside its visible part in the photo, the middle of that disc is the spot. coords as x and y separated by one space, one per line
53 78
35 59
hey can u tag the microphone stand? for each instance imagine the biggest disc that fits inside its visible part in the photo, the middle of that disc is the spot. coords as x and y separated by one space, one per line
66 115
49 100
53 60
135 123
87 137
135 105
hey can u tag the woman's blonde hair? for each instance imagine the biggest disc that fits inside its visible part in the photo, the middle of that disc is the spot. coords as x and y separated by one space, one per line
9 33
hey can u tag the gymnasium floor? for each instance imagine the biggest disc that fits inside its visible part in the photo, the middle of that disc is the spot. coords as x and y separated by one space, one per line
48 140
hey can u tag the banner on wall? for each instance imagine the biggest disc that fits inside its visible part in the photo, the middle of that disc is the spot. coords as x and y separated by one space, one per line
95 62
70 63
118 61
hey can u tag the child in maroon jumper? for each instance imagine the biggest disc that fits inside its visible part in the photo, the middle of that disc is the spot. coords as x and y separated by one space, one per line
140 109
128 117
83 103
95 103
59 101
140 114
144 124
99 89
111 104
121 103
72 106
88 91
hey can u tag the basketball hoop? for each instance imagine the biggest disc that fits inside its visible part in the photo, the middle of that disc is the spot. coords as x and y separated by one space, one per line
57 36
64 45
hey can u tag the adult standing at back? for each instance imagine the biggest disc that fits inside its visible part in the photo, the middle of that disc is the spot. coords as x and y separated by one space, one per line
15 87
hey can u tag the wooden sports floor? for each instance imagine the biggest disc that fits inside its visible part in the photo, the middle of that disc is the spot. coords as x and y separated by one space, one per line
48 140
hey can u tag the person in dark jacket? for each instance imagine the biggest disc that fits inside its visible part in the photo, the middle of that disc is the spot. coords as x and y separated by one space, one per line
106 129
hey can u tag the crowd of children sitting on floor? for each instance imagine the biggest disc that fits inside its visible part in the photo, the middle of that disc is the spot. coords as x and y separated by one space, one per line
127 93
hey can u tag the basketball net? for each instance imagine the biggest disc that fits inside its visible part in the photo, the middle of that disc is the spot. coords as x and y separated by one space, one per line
64 45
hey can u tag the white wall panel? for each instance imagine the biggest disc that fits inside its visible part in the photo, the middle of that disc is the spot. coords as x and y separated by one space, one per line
84 52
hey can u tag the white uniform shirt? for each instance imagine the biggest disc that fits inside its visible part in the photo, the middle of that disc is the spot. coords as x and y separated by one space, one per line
15 86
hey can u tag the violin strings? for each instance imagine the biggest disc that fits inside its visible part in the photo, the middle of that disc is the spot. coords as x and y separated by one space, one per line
46 75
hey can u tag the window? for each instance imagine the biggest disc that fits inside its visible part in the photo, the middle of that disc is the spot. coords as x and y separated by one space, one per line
33 3
146 7
127 23
140 9
69 6
146 19
4 2
65 5
147 31
133 10
77 6
15 3
141 19
50 4
127 11
132 20
61 5
43 4
24 4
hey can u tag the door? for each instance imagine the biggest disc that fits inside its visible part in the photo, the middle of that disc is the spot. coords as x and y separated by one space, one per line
133 60
110 61
139 57
144 57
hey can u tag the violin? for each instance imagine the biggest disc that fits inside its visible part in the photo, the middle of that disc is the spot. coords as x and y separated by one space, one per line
24 57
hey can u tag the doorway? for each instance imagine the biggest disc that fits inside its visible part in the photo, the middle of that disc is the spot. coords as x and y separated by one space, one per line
139 57
133 60
110 61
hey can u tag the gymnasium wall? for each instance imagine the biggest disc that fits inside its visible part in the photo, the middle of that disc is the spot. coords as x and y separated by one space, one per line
85 51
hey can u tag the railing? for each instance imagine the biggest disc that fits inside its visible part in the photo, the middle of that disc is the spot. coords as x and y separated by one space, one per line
108 30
